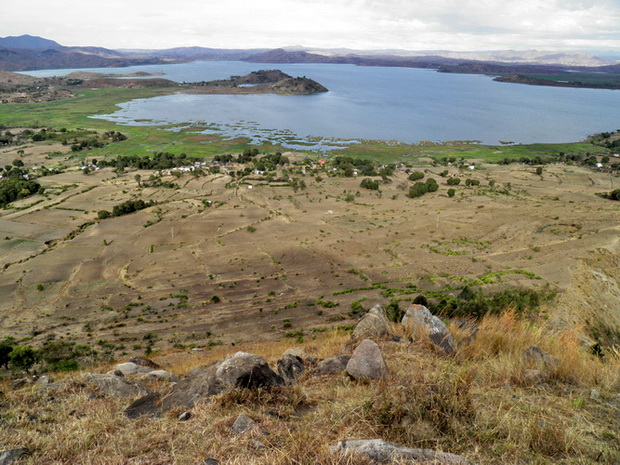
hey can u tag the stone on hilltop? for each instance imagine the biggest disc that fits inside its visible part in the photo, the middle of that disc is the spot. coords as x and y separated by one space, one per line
116 386
290 367
418 316
380 451
373 324
367 362
332 365
238 371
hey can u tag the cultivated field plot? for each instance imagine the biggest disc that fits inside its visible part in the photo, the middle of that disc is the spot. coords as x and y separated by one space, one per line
219 260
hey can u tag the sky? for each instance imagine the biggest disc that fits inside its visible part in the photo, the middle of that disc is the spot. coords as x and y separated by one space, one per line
460 25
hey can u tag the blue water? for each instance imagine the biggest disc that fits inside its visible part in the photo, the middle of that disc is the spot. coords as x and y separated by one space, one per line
400 104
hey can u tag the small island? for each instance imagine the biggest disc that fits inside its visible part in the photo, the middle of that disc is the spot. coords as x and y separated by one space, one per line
260 82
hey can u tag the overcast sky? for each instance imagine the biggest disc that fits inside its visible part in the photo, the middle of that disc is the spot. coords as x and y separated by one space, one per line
361 24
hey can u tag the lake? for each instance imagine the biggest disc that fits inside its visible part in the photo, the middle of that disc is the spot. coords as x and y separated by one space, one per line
379 103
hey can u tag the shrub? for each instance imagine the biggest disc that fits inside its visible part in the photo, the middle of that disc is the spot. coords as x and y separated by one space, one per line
453 181
418 190
416 175
432 185
23 358
451 193
368 183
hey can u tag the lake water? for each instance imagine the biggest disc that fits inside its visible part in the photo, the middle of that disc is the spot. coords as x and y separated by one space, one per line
380 103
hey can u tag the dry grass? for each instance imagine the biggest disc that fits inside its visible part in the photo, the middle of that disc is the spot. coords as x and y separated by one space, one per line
475 403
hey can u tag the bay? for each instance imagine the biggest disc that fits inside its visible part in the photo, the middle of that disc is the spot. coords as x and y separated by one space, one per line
378 103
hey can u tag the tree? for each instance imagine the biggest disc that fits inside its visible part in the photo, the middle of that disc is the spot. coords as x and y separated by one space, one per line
418 190
138 178
416 175
23 357
453 181
451 192
539 170
431 185
5 353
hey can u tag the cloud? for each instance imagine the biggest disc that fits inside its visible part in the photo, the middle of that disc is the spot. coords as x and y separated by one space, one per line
405 24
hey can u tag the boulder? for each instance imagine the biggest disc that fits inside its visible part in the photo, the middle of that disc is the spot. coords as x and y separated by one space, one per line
367 362
9 456
418 316
116 386
129 368
241 370
535 355
380 451
290 367
332 365
244 424
160 375
373 324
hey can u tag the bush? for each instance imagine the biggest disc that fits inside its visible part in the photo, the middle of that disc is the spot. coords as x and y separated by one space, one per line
5 353
416 175
451 193
418 190
453 181
23 358
368 183
432 185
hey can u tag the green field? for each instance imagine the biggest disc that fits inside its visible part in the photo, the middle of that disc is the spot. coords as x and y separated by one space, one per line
77 112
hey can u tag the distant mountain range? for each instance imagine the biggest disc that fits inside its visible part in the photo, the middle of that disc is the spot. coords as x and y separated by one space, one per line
27 52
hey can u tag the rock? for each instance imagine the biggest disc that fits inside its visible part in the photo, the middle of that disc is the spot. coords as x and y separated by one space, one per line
210 461
244 424
367 362
9 456
43 382
418 316
144 362
595 395
296 351
241 370
333 365
129 368
380 451
185 416
18 383
161 375
373 324
114 386
539 357
290 367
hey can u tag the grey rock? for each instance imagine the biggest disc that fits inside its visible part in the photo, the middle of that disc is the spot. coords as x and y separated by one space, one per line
161 375
290 367
373 324
18 383
210 461
244 424
130 368
595 394
9 456
367 362
114 386
145 362
418 316
535 355
296 351
241 370
333 365
380 451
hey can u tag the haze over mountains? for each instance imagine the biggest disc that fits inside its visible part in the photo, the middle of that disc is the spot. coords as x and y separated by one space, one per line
26 52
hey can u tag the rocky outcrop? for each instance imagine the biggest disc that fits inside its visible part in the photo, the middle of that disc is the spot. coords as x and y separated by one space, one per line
290 367
418 317
380 451
241 370
332 365
116 386
373 325
367 362
9 456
